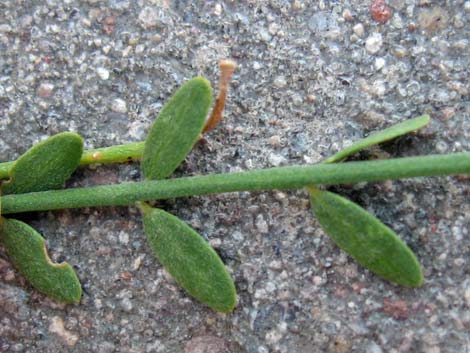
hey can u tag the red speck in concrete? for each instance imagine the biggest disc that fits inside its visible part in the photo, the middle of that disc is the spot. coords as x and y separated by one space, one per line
398 309
379 11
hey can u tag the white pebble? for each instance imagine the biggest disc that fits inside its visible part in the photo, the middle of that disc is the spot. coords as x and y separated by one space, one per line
139 49
359 29
124 238
280 82
275 141
276 160
45 90
261 224
119 106
466 6
379 63
374 43
257 65
317 280
264 35
150 17
378 88
217 10
102 73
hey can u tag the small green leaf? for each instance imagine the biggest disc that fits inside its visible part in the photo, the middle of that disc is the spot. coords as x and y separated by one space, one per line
381 136
27 251
366 239
46 165
189 259
176 129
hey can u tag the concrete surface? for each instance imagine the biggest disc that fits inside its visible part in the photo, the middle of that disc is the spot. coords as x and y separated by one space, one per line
313 77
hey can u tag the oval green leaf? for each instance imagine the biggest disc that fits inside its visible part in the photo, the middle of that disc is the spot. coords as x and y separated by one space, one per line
27 251
189 259
366 239
46 165
381 136
177 129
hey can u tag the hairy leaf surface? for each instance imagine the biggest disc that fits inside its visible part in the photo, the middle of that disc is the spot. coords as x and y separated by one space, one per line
27 251
190 260
46 165
176 129
366 239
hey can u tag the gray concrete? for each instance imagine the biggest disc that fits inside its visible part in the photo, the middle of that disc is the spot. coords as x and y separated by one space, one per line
312 78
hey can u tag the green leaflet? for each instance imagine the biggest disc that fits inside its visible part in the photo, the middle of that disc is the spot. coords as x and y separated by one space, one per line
176 129
28 253
189 259
366 239
381 136
360 234
46 165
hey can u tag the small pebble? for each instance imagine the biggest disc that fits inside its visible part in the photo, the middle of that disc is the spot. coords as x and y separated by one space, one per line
276 160
378 88
151 17
379 63
57 326
126 305
348 16
217 10
264 35
374 43
359 29
261 224
102 73
45 90
399 52
119 106
379 11
124 238
280 82
466 6
275 141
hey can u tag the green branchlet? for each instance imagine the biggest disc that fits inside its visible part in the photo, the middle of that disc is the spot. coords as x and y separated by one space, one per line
183 252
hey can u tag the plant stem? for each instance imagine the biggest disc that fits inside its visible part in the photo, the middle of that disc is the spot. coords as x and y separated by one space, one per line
5 168
113 154
266 179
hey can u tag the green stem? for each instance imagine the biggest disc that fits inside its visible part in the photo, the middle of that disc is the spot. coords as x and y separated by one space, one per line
5 168
266 179
113 154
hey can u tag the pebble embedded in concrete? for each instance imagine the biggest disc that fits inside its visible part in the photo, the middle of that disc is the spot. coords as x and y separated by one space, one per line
374 43
119 106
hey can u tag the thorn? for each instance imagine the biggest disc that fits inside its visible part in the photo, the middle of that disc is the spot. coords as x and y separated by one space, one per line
227 67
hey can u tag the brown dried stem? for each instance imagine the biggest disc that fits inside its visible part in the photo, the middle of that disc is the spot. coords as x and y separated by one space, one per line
227 67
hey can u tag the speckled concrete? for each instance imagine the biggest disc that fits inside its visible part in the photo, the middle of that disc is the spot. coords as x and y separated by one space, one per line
312 77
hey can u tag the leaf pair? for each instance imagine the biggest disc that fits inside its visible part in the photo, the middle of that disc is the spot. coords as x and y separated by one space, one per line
365 238
46 165
183 252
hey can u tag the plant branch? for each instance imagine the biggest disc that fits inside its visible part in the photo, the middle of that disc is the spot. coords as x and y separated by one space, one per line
266 179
